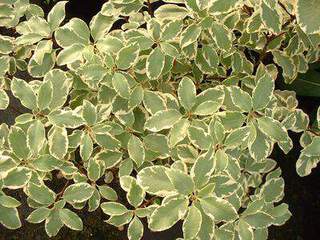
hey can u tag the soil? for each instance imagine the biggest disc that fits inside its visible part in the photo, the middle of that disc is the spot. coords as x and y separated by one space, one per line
302 194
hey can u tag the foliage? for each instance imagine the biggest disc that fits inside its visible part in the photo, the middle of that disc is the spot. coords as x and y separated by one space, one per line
177 107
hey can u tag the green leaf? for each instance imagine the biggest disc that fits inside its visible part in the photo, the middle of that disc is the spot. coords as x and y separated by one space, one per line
113 208
190 35
160 220
110 158
170 12
41 194
262 93
93 170
313 148
178 131
108 193
154 180
259 220
18 142
58 142
46 163
135 194
181 181
171 30
53 223
135 229
57 15
4 100
9 217
162 120
241 99
100 25
155 63
71 219
45 95
218 209
136 97
9 202
36 137
245 230
86 147
65 118
17 178
221 36
259 147
237 137
203 168
187 93
70 54
136 150
308 15
24 92
222 6
121 85
192 223
107 141
38 215
75 31
153 102
127 56
270 16
272 190
273 129
78 192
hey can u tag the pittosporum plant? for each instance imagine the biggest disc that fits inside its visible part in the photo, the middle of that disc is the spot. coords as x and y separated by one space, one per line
177 108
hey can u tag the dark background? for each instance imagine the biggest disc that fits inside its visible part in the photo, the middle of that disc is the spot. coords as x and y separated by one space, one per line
302 194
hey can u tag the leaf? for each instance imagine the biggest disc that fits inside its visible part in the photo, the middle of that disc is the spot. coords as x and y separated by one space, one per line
162 120
222 6
110 158
18 142
153 102
171 30
107 141
38 215
192 223
17 178
78 192
259 147
187 93
4 100
270 16
89 112
155 63
45 95
178 131
57 15
154 180
113 208
181 181
127 56
86 147
9 202
58 142
218 209
259 220
71 219
65 118
170 12
136 150
46 163
272 129
245 230
121 85
75 31
36 137
308 15
190 35
53 223
272 190
136 97
237 137
203 168
108 193
199 138
241 99
313 148
262 93
100 25
135 194
41 194
9 217
24 92
160 220
70 54
221 36
135 229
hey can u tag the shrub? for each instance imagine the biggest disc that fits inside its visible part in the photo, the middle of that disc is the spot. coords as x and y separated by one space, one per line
176 110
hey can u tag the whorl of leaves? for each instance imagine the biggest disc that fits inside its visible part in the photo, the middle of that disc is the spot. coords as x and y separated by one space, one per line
178 106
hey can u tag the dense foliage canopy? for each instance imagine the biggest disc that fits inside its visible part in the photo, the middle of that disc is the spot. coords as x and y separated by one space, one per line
172 116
